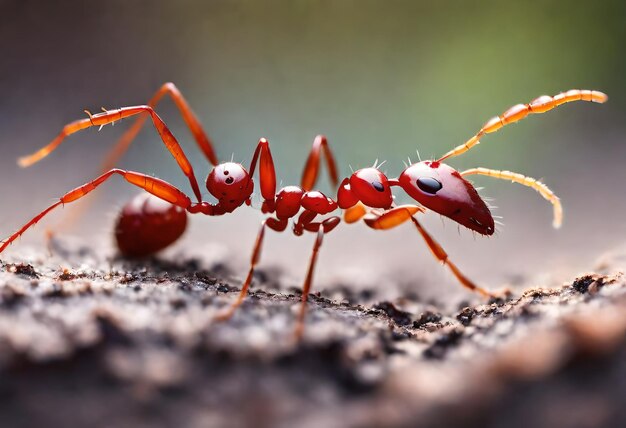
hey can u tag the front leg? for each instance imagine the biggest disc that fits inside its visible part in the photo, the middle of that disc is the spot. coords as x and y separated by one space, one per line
441 255
401 214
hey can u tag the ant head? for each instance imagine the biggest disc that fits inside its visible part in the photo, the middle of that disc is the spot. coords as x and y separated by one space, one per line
442 189
231 184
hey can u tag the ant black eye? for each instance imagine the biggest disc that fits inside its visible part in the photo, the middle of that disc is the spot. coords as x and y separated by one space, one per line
229 180
429 185
378 186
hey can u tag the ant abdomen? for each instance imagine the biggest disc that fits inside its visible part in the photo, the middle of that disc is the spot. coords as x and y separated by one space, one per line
147 225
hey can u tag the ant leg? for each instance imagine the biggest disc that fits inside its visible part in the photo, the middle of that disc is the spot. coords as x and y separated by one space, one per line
267 173
388 219
190 118
322 228
152 185
398 215
311 168
539 105
354 213
112 116
392 217
274 224
203 141
526 181
442 256
32 222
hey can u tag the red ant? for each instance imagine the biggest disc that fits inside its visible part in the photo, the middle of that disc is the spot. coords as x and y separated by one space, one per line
147 224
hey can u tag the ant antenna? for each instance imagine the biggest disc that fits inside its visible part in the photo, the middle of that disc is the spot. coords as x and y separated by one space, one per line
375 162
381 164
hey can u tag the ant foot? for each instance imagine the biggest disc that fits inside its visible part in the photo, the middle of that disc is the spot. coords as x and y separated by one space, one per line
225 315
500 296
298 332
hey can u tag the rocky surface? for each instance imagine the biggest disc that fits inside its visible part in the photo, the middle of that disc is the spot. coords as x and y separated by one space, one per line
86 341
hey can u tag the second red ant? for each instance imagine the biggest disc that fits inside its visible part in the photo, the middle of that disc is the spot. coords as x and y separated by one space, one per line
147 224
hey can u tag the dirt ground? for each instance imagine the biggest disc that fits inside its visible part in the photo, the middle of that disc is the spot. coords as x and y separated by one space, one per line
90 341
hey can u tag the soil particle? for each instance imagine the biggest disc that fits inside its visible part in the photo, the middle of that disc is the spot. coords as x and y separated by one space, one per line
398 316
588 283
10 296
427 317
22 269
466 315
444 340
224 288
205 278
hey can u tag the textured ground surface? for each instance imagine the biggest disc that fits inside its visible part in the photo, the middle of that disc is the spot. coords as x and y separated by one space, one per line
108 343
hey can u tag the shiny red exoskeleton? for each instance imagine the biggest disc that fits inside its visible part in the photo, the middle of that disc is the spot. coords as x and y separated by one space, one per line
156 219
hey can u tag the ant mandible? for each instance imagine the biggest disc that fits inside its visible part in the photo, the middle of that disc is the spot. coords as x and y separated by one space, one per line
147 224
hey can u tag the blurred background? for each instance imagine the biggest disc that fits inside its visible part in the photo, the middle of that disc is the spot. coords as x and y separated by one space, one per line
380 79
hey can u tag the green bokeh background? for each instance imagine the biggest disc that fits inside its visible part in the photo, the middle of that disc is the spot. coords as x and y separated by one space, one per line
381 79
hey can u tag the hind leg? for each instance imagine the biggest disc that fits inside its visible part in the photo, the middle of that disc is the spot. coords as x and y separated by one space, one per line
155 186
